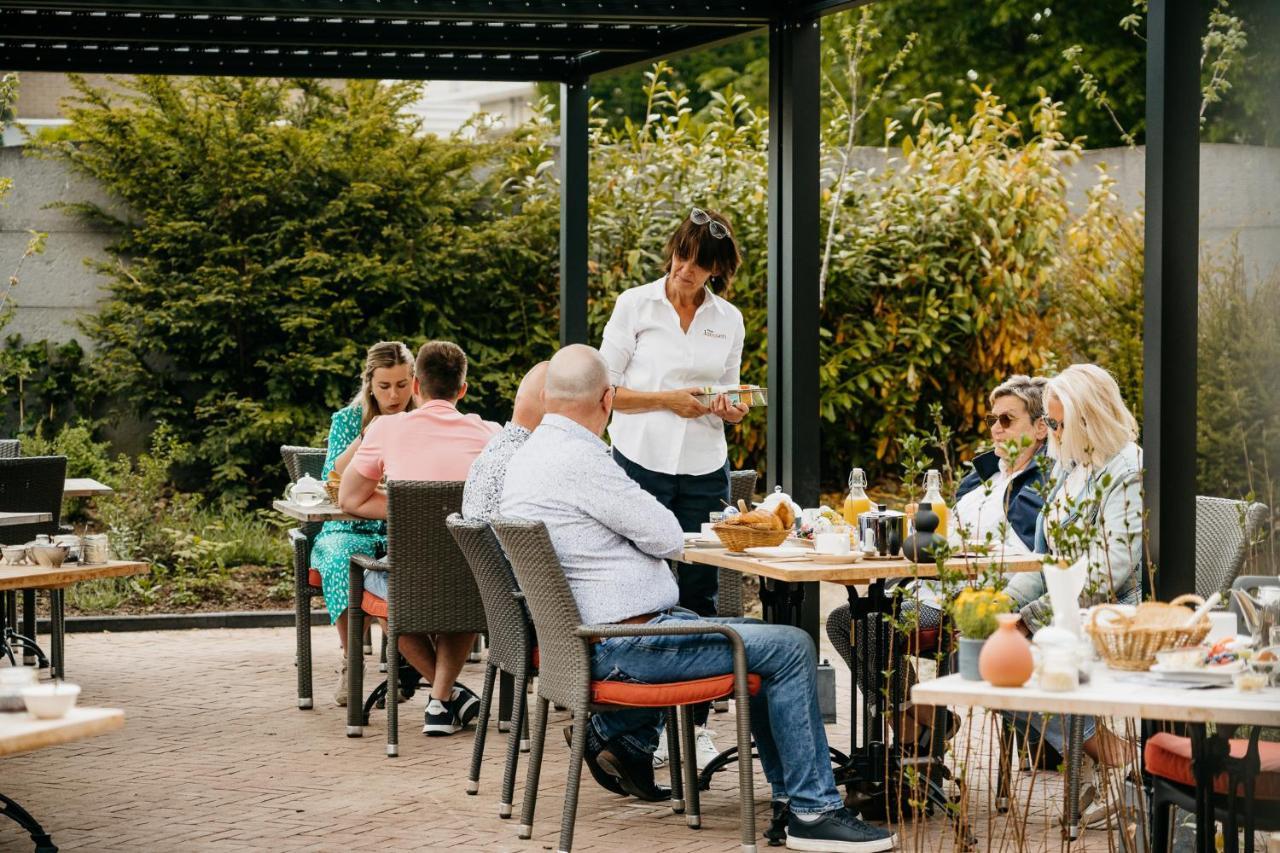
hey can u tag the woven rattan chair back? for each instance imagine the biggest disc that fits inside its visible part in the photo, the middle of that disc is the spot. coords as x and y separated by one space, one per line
1225 530
742 485
564 668
510 629
32 484
303 460
10 448
430 588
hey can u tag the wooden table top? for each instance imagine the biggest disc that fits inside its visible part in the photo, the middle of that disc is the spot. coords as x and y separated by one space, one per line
24 733
849 574
84 487
10 519
323 512
40 577
1112 693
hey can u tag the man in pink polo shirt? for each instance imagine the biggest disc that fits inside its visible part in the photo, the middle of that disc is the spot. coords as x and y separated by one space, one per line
433 442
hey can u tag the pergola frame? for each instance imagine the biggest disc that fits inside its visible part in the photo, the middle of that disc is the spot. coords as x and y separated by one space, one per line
568 41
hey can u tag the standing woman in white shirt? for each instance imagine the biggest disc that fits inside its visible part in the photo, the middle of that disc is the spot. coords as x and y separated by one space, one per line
663 343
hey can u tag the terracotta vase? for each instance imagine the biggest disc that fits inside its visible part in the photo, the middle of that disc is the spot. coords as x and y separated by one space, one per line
1006 657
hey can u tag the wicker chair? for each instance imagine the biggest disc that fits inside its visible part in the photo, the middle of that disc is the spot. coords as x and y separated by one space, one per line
430 589
742 485
10 448
1224 531
512 648
306 580
35 484
564 677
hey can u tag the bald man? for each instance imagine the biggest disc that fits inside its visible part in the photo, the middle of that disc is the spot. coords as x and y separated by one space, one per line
483 490
613 540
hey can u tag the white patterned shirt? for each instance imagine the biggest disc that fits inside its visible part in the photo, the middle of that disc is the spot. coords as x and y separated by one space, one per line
482 495
612 537
646 350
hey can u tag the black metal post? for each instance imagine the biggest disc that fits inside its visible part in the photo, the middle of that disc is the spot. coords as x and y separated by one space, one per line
794 107
1174 29
574 156
794 111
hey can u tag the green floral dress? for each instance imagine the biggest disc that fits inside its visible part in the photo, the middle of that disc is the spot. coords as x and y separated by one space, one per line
338 541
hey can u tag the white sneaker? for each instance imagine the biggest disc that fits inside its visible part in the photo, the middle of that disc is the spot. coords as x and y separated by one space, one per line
660 754
704 746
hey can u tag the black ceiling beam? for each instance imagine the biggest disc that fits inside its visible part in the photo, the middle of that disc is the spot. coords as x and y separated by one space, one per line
677 44
806 9
698 12
260 31
379 65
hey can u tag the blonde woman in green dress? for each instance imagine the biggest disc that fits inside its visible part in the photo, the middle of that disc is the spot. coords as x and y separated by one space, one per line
386 387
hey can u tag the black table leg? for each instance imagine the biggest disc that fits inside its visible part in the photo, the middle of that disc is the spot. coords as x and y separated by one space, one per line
1208 759
20 816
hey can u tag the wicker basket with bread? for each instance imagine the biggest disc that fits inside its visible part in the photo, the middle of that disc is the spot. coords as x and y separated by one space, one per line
756 528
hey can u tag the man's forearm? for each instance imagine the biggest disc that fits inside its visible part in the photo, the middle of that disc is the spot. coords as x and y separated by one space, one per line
373 506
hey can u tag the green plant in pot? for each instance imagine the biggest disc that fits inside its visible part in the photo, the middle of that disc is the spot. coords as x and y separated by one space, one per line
974 611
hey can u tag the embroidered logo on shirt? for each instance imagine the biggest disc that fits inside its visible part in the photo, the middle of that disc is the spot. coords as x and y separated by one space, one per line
713 334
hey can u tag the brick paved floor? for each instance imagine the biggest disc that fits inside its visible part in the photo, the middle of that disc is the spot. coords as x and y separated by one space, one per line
214 756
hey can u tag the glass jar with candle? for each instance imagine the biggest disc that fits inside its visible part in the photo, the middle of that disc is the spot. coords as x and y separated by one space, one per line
1058 672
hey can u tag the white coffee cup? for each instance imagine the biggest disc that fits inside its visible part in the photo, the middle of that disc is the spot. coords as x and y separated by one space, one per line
707 532
831 543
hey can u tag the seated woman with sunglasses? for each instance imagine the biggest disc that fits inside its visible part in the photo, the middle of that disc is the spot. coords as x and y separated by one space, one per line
1092 518
997 505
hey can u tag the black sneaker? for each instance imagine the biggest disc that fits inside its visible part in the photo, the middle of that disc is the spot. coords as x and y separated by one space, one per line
603 779
440 720
777 831
633 770
464 704
838 831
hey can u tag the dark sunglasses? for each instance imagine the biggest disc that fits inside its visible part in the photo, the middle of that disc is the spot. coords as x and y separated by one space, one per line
701 217
1052 423
1005 420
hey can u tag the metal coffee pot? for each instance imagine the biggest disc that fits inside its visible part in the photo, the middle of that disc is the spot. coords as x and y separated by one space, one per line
882 530
1260 614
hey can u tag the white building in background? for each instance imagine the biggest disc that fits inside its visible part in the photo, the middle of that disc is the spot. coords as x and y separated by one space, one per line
446 105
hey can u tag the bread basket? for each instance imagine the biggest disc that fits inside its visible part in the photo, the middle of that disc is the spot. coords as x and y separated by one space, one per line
1131 642
331 484
739 537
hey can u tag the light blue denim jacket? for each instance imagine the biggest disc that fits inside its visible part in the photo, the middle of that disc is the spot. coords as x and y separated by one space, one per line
1113 554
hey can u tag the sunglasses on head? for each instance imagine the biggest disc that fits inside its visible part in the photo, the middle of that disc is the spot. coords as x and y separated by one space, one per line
1052 423
701 217
1005 420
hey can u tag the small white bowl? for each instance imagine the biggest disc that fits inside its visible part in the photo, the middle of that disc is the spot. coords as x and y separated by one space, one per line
50 701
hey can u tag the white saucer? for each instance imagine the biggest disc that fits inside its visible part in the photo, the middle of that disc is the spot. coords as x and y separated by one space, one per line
837 559
778 552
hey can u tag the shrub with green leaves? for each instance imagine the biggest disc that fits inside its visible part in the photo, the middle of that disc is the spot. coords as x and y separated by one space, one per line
274 230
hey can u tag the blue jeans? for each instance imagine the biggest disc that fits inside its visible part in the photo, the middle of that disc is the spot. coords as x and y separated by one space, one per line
1052 728
785 718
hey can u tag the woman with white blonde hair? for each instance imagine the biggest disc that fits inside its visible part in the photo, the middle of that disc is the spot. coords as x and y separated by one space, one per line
1092 520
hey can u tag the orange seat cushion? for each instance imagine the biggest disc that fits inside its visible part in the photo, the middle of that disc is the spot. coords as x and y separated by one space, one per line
634 695
373 605
313 578
1169 756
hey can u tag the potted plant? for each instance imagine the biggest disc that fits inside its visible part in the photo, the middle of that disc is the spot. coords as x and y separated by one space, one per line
974 612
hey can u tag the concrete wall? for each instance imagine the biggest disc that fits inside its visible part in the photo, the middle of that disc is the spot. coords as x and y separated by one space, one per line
1239 186
55 287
